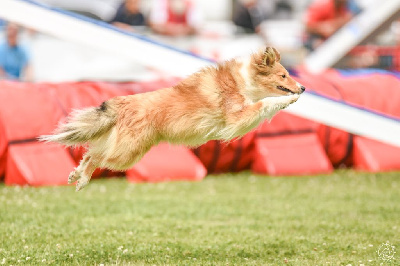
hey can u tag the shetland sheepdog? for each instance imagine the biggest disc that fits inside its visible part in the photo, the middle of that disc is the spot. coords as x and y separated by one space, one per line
219 102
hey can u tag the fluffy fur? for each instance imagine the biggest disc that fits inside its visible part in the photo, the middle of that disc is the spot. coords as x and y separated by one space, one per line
216 103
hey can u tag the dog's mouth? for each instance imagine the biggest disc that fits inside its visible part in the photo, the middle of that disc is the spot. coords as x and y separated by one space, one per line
284 89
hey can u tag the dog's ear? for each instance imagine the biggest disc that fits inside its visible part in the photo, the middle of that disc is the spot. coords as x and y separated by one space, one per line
271 55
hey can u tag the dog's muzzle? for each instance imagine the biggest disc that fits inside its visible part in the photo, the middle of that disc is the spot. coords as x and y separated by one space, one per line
284 89
302 89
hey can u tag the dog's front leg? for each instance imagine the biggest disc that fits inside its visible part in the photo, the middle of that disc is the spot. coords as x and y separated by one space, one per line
249 116
271 105
265 108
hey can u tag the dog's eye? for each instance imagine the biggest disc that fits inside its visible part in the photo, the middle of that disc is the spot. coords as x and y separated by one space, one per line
283 76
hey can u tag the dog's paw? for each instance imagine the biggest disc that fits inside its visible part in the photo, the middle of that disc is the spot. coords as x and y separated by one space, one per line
73 176
82 182
293 98
284 101
281 101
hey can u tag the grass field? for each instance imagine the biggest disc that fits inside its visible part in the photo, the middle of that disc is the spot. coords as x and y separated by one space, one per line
237 219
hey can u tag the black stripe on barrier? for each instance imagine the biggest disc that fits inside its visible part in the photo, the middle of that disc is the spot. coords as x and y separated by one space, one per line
22 141
196 151
349 150
238 154
327 143
283 133
214 160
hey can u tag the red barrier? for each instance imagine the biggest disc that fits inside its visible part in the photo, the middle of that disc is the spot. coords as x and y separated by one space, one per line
373 90
359 88
83 94
167 163
25 114
298 154
30 110
38 164
374 156
221 157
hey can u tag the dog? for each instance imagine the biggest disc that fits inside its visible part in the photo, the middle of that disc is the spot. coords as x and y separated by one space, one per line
219 102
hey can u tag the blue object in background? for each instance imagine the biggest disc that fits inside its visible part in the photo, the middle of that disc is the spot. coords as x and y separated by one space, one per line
366 72
13 59
353 7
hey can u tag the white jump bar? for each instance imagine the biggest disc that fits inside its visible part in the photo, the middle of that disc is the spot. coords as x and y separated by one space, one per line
338 45
346 117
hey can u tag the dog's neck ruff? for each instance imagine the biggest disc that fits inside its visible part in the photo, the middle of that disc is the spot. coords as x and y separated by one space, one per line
244 72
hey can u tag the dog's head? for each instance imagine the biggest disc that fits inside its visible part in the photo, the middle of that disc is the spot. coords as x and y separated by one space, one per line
268 78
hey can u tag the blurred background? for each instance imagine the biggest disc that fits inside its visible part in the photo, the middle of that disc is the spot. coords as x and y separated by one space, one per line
213 29
251 207
59 55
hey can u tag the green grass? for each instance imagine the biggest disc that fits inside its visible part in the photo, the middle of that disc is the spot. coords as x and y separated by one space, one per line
238 219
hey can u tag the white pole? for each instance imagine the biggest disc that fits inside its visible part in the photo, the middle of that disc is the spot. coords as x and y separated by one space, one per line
102 36
339 44
346 117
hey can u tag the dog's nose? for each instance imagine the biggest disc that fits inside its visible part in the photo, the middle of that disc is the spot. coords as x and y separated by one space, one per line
302 88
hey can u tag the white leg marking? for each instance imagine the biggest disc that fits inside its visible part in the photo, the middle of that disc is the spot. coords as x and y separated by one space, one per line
82 182
273 104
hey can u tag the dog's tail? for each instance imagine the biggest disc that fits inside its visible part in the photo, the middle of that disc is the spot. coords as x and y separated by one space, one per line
84 125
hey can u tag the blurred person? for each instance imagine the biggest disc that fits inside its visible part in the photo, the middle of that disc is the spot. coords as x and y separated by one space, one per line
129 15
175 17
14 58
2 23
325 17
283 10
249 14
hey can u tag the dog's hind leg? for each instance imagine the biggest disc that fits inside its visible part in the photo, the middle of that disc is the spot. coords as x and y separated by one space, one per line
83 172
86 173
76 174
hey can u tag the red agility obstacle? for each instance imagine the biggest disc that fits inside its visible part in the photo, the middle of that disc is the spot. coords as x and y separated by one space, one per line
374 156
294 154
38 164
165 162
288 145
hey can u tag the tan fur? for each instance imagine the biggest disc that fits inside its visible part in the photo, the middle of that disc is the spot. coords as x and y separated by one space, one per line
221 102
